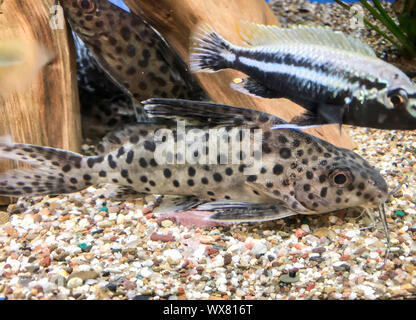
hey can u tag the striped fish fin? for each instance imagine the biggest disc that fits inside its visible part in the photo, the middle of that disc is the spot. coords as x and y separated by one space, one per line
262 35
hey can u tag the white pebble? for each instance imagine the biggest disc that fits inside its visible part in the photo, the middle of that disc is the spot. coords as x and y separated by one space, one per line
333 219
305 228
166 223
98 218
218 261
105 224
259 248
74 282
173 256
146 272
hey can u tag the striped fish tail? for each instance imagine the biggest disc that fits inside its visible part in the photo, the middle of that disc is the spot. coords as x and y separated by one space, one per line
209 51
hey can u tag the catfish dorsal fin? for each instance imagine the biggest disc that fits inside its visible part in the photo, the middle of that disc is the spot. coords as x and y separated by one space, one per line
207 113
262 35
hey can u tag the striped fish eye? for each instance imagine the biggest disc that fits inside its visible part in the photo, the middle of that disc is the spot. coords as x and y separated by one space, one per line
86 5
398 98
340 177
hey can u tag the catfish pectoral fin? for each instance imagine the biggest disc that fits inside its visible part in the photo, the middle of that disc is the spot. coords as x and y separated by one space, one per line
238 212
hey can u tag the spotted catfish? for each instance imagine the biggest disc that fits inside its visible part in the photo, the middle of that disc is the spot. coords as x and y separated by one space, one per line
104 106
130 51
336 78
279 173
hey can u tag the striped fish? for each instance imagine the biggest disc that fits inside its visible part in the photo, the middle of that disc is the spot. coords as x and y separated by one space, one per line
335 77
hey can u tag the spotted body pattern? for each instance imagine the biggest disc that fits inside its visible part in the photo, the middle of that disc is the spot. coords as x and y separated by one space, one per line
296 173
130 51
337 78
104 106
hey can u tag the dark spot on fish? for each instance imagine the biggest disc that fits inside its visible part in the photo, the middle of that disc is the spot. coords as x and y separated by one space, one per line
142 85
167 173
217 177
130 156
143 162
131 50
285 153
266 149
278 169
191 171
112 41
28 189
130 71
153 162
120 152
111 162
149 145
143 63
124 173
282 139
125 33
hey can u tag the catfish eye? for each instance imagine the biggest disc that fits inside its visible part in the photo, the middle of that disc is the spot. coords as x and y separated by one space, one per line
340 178
398 98
86 5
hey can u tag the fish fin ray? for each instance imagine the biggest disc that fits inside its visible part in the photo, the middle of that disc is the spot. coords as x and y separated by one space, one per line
253 88
177 204
209 51
331 113
238 212
49 173
264 35
119 192
206 113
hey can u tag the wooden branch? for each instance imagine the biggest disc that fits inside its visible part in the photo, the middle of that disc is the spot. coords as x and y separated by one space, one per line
47 112
176 20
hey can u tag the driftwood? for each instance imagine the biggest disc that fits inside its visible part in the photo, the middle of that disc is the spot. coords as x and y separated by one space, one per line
47 111
176 20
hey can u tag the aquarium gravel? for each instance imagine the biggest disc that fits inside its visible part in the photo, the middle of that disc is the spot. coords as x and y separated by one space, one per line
81 246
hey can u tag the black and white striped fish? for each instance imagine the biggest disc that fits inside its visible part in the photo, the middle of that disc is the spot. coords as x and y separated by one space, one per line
337 78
